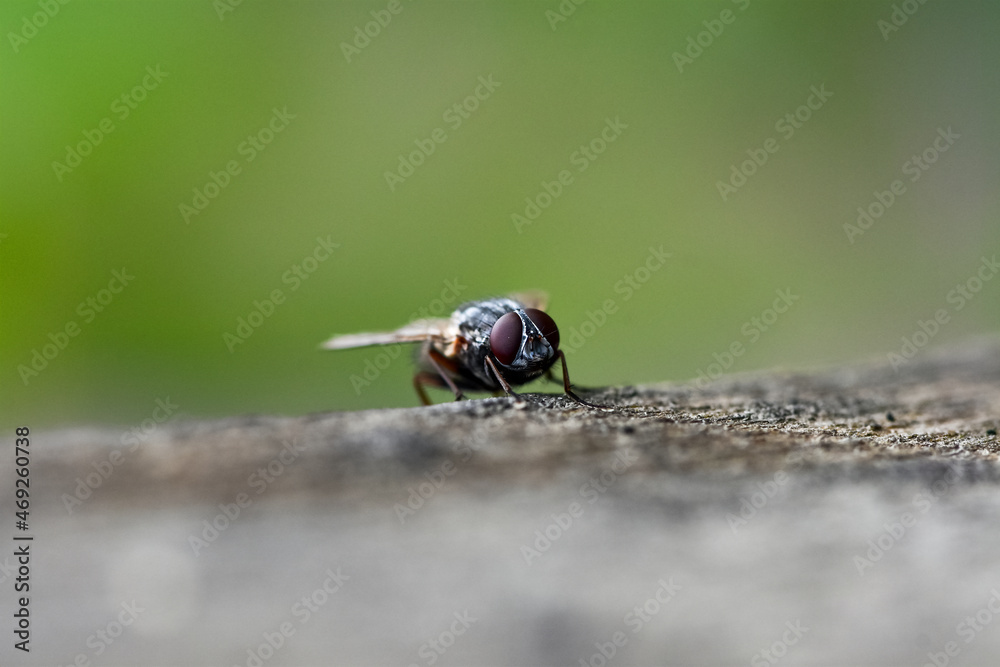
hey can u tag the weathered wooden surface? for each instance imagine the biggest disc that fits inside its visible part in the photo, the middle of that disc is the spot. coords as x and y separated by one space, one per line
846 517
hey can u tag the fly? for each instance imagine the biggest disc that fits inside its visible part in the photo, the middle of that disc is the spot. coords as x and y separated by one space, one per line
488 345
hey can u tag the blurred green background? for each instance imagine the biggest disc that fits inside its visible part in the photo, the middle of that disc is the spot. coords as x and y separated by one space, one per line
223 73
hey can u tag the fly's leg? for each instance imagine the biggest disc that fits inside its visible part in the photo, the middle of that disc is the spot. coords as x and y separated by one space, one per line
503 382
438 360
566 384
424 379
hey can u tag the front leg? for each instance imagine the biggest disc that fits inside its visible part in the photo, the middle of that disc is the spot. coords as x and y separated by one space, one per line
566 385
502 381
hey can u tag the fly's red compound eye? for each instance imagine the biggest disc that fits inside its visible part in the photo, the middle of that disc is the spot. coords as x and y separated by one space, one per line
545 324
505 338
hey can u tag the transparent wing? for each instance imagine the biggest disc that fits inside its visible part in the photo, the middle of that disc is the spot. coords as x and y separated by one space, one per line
414 332
532 299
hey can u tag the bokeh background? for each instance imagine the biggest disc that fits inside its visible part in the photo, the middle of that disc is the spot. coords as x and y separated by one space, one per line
227 67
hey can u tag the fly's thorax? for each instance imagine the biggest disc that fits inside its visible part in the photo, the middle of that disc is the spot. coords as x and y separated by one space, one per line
475 319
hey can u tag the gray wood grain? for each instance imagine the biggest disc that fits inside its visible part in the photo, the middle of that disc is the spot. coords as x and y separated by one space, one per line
848 516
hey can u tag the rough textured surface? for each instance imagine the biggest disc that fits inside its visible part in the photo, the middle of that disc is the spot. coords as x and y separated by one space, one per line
846 517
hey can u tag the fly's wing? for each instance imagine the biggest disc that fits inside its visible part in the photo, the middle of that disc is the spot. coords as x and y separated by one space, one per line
532 299
414 332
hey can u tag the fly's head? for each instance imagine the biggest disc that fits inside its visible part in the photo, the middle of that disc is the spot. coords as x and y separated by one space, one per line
525 340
